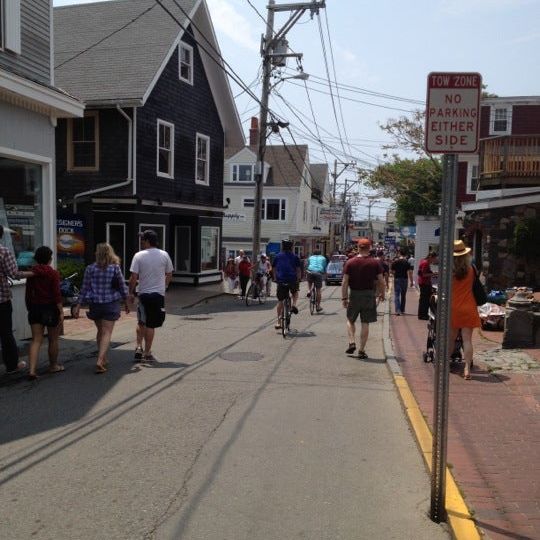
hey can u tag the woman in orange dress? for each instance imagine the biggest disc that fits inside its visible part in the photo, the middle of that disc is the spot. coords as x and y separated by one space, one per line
464 310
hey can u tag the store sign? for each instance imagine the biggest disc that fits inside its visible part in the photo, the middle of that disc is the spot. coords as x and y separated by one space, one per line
330 215
234 217
453 113
70 238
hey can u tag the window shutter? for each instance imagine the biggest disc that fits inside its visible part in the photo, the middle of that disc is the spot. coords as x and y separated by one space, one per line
13 25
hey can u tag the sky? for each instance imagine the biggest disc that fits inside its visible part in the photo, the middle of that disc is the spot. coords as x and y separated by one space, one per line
385 47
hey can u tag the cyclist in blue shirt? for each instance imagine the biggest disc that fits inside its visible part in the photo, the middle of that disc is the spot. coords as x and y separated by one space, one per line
287 271
316 268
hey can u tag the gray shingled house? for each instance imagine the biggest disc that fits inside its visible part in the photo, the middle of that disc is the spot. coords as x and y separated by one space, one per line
159 111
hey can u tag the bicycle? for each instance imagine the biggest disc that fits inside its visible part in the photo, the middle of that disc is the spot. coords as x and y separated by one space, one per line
312 298
256 291
285 319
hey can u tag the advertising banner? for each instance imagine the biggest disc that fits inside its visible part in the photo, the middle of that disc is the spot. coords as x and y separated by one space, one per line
330 215
70 237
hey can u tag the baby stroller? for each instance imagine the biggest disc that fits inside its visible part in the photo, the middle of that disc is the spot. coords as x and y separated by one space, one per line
429 354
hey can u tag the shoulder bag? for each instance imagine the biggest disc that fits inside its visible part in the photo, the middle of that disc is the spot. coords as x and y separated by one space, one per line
478 289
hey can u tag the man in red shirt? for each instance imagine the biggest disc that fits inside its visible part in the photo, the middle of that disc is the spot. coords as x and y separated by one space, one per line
364 276
424 284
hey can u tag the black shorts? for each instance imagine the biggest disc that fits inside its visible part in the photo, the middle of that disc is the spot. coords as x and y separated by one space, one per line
315 277
45 314
283 290
109 311
363 303
151 310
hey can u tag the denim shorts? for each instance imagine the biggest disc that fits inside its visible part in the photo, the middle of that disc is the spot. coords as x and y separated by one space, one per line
109 311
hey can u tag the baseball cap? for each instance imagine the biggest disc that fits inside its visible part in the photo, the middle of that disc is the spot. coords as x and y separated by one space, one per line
149 235
364 243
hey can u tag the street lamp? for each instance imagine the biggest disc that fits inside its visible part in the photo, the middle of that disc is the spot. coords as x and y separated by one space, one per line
302 76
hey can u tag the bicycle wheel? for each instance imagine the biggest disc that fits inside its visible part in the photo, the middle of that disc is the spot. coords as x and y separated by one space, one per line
286 317
251 294
313 301
262 295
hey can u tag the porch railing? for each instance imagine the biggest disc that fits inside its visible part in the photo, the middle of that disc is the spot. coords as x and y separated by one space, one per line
510 159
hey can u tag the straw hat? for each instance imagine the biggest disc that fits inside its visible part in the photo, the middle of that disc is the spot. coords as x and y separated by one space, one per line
460 248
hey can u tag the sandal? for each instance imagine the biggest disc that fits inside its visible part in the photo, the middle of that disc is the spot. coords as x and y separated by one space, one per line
149 359
277 326
351 348
57 368
100 369
362 355
32 377
467 377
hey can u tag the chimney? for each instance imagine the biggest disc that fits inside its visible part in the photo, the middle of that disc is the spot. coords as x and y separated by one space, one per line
254 132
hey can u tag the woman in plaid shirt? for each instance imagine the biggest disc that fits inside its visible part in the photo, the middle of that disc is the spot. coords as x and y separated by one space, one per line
102 289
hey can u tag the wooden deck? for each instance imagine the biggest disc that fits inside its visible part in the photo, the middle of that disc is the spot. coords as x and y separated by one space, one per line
510 161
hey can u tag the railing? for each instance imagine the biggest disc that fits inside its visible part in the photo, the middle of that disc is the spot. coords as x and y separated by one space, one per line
511 159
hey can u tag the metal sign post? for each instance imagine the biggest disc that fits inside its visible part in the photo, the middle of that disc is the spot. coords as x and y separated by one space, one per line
452 126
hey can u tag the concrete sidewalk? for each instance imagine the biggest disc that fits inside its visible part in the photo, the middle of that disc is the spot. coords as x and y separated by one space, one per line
79 334
494 428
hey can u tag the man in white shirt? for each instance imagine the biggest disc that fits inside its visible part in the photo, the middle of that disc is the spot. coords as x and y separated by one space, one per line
152 268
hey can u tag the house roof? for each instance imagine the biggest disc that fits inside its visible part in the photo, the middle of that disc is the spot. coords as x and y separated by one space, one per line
286 163
319 175
139 37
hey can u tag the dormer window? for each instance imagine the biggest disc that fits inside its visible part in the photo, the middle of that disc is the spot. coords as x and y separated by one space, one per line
242 173
10 25
185 56
500 120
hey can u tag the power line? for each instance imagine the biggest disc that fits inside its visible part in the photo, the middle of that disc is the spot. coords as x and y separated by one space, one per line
315 121
329 85
335 79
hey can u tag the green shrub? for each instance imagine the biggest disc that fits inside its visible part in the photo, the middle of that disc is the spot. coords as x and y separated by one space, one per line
66 267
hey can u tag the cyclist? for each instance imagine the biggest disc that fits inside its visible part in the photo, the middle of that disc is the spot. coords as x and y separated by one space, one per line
287 271
263 271
316 268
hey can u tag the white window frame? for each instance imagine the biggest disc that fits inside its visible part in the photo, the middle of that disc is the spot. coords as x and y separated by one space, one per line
176 251
189 48
10 40
211 270
70 149
108 240
145 226
492 118
252 165
470 169
158 172
198 137
281 201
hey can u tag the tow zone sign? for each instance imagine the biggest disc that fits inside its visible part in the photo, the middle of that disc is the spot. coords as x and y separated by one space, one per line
453 113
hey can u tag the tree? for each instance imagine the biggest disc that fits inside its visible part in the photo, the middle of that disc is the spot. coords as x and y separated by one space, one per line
414 183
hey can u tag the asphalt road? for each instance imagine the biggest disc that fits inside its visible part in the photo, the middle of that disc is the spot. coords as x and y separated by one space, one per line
236 434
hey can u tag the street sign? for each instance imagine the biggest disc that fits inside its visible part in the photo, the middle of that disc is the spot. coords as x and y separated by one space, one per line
330 215
453 113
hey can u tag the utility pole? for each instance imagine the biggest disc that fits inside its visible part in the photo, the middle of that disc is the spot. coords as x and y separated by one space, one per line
272 45
335 176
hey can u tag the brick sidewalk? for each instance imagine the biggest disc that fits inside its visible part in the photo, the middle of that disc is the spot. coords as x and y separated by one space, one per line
494 430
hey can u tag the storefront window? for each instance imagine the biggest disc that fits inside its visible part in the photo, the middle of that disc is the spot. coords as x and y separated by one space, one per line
209 248
21 211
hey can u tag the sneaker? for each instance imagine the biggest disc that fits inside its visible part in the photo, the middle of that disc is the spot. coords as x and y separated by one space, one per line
20 366
294 310
149 358
351 348
138 355
308 295
362 355
319 309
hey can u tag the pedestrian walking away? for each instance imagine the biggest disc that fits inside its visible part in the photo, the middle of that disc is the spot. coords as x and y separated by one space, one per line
363 275
151 268
244 273
8 270
287 271
45 310
424 284
316 269
231 274
103 288
464 312
402 271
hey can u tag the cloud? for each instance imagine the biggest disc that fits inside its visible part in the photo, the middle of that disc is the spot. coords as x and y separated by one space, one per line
233 24
463 7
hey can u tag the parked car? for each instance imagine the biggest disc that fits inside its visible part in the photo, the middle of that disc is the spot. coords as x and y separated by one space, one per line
334 273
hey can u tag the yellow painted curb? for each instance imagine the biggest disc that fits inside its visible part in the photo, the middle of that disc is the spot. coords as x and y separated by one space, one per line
459 517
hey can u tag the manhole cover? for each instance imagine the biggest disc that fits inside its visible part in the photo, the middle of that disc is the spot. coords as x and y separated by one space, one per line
197 318
241 356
